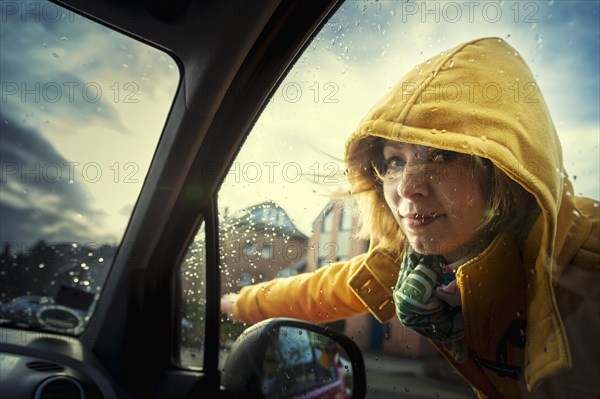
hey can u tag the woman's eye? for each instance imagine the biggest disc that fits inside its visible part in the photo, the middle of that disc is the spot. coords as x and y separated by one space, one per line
443 156
394 164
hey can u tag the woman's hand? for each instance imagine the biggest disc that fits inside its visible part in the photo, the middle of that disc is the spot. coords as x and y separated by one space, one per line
227 302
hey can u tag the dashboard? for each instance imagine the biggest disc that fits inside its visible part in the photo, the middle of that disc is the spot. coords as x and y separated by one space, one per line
35 365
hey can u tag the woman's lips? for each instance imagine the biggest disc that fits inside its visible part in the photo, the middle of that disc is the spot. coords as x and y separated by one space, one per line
416 220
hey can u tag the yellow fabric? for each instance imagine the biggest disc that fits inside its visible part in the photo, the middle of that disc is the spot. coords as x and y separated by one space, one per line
478 98
320 296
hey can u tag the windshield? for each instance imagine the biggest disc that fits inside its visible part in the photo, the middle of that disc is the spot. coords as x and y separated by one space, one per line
82 111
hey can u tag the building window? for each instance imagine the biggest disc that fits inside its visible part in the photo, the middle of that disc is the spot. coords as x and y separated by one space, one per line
273 216
328 222
245 279
343 244
250 249
267 251
280 219
347 219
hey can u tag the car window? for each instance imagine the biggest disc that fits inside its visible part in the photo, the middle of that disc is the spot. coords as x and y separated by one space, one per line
192 304
279 192
82 111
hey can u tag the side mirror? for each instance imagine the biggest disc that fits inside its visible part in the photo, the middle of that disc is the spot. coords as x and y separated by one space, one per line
287 358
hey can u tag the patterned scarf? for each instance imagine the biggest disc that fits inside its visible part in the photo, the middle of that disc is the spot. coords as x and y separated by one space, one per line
427 301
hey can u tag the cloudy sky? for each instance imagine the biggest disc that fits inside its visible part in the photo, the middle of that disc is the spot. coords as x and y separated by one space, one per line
81 113
101 100
368 46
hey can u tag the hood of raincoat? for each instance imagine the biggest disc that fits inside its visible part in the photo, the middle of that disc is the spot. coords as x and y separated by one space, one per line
481 98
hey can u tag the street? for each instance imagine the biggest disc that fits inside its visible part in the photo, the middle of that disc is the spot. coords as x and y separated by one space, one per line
396 377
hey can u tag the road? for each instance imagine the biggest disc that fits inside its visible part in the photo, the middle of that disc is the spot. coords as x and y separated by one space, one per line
396 377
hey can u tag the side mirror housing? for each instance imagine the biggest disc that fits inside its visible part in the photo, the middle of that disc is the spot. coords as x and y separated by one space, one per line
287 358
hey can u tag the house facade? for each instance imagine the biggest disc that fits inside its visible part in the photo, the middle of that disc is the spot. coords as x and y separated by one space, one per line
259 244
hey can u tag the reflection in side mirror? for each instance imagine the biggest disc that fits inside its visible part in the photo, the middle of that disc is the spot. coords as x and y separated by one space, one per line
286 358
303 362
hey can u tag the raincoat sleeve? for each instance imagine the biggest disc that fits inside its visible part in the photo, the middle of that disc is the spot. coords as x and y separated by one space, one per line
320 296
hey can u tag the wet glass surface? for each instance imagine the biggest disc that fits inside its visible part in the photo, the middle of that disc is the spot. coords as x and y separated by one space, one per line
292 159
82 111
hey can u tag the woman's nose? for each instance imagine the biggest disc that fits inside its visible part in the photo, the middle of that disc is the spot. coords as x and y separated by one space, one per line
415 181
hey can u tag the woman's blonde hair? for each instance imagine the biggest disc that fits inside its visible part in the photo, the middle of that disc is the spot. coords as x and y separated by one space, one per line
508 203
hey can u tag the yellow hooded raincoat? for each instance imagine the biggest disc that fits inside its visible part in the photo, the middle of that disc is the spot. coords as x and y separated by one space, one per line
531 309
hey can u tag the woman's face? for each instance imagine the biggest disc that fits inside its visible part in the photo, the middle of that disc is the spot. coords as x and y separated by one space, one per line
435 198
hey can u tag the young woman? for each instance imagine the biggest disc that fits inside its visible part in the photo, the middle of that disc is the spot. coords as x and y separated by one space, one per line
476 240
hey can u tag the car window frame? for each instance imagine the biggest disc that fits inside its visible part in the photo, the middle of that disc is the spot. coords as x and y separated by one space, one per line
267 62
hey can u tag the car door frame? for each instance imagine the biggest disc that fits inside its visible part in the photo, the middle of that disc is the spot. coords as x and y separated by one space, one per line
214 109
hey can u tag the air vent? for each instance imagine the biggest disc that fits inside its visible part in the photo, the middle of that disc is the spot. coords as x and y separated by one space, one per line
59 387
45 367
